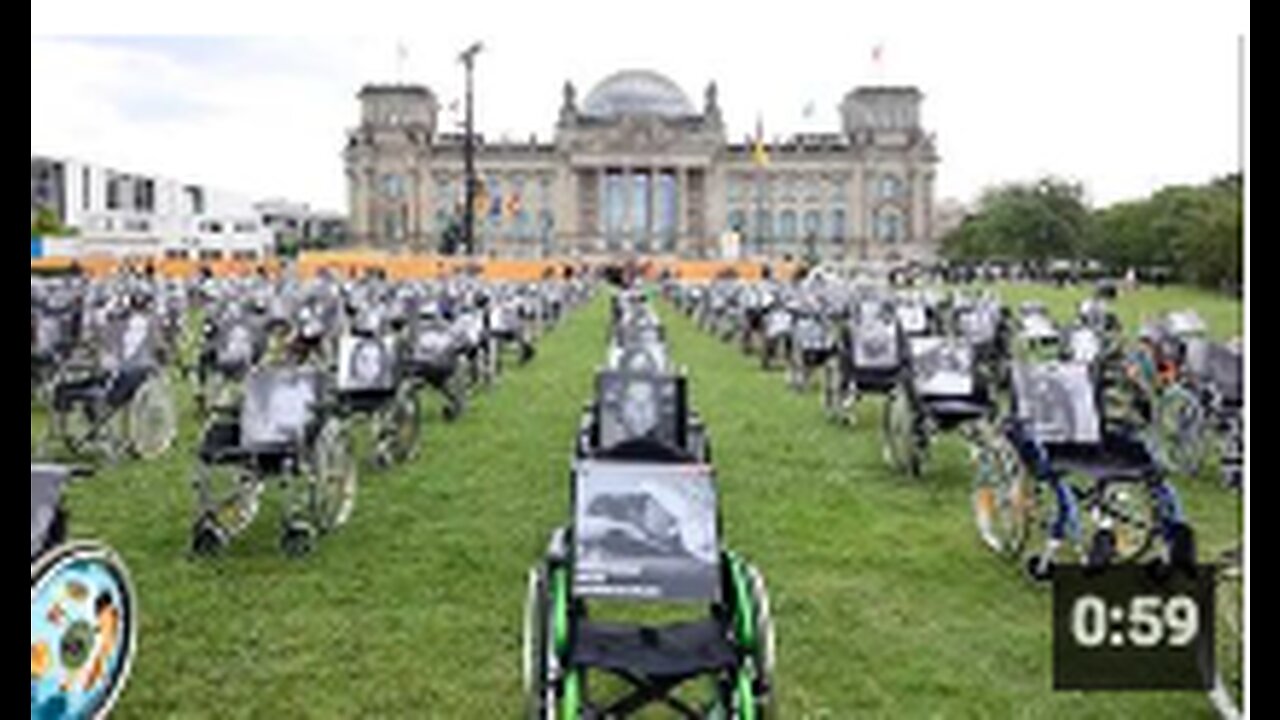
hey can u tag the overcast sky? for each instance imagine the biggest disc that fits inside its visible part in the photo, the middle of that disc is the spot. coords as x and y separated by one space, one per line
256 97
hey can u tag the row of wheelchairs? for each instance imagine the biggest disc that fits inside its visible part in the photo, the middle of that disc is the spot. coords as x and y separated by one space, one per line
1071 431
283 374
644 542
972 367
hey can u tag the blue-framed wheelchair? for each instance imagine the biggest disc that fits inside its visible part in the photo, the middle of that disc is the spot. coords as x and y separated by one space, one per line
1108 498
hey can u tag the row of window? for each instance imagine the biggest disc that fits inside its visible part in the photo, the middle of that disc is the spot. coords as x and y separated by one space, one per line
888 225
887 187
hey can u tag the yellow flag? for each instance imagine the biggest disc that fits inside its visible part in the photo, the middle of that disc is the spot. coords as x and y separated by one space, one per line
759 155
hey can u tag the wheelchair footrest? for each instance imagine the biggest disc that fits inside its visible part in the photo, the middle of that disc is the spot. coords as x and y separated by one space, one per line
679 650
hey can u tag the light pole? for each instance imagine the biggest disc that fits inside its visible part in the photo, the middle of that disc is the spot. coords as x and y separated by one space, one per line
468 58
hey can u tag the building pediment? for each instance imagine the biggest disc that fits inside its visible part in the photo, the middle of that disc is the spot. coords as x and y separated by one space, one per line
637 135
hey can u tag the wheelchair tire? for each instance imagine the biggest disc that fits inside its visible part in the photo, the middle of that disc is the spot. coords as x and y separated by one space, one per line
228 497
333 479
539 693
152 419
1131 514
297 539
1180 424
1003 498
765 655
1227 685
401 426
901 446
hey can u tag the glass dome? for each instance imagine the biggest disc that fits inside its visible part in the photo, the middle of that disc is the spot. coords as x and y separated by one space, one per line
637 92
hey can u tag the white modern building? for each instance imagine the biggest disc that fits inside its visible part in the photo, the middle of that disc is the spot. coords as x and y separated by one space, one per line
133 215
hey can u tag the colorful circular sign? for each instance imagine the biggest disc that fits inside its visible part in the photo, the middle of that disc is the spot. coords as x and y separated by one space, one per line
83 625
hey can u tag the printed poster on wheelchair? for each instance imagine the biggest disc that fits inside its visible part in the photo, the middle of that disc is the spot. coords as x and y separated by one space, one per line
942 367
1056 399
366 364
646 531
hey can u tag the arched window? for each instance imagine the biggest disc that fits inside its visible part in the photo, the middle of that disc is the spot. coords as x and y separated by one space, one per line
764 225
787 226
737 221
890 186
837 225
889 226
393 185
524 228
812 224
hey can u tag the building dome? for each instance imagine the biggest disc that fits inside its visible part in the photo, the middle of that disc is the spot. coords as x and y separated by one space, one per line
637 92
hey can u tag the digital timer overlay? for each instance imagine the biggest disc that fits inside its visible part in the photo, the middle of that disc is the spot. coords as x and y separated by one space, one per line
1133 627
80 616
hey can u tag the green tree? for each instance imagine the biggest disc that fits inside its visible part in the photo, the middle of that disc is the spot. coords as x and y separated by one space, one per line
46 223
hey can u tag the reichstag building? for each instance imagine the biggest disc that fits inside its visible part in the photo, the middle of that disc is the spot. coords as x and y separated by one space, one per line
636 168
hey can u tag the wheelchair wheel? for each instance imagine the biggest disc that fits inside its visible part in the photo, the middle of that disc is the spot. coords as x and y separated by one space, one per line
1128 509
1227 693
228 498
764 655
151 417
399 426
333 477
835 400
75 428
538 690
901 446
1180 424
1003 499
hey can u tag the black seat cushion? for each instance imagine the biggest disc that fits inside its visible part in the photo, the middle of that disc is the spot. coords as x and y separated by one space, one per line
951 411
221 443
1117 457
645 449
676 650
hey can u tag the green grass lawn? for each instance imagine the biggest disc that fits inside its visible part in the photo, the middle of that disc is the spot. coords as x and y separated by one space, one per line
884 600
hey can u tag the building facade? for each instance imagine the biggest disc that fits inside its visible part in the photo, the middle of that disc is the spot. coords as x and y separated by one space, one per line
138 216
635 168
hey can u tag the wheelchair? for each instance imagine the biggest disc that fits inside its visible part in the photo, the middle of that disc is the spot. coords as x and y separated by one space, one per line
55 332
1036 335
372 383
506 327
1160 370
433 357
868 358
775 334
84 613
234 342
938 391
117 400
1217 370
645 530
286 428
1094 470
812 346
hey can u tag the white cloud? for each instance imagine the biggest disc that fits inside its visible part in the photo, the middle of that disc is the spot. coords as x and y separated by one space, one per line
1122 96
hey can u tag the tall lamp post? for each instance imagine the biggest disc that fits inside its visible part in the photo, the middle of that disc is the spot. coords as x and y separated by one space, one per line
468 58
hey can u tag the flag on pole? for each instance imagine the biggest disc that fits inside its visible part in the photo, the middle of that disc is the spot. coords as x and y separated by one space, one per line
759 155
402 55
877 53
809 110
